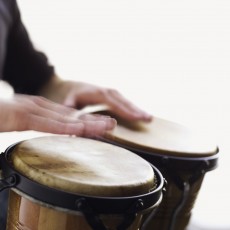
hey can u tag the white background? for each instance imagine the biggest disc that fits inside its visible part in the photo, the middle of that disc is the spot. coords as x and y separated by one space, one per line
172 58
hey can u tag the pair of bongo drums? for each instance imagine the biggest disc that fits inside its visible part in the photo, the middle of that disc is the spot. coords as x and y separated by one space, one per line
114 183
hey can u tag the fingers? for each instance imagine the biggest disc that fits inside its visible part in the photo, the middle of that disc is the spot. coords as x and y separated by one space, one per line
71 100
118 104
89 127
109 122
124 108
33 113
94 128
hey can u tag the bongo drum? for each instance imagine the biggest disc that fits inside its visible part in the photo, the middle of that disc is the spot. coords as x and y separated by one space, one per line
69 183
181 155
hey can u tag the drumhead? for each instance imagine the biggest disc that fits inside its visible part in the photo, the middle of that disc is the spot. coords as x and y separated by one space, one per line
83 166
163 137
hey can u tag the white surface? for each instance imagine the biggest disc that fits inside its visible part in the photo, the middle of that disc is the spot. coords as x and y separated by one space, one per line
171 57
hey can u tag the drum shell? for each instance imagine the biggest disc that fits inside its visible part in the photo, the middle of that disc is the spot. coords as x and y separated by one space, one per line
26 213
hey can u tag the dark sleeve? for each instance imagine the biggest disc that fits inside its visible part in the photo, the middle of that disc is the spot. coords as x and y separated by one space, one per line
25 68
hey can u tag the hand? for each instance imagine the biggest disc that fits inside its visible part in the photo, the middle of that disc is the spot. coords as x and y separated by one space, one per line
23 112
78 95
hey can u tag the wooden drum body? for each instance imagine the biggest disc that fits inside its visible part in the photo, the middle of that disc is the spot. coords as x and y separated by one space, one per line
183 156
69 183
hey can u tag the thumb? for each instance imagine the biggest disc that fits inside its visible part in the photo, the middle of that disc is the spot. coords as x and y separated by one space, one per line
70 101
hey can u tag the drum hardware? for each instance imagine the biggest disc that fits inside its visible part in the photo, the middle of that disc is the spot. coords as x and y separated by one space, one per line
95 222
93 219
8 182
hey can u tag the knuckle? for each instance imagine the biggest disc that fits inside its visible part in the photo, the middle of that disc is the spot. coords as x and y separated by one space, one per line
112 91
101 92
107 92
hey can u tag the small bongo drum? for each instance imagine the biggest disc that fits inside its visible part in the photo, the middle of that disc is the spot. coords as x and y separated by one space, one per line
181 155
69 183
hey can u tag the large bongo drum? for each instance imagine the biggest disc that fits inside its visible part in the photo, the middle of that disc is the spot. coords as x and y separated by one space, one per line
183 157
70 183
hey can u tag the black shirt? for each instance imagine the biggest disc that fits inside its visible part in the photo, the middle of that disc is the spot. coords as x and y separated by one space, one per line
25 68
